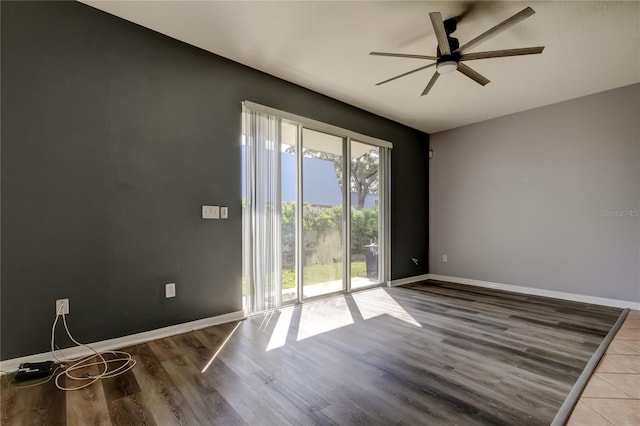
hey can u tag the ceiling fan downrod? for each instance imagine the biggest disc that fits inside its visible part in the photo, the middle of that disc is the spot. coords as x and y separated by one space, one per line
449 63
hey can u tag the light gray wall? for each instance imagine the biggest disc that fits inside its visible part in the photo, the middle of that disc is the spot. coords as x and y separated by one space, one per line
547 198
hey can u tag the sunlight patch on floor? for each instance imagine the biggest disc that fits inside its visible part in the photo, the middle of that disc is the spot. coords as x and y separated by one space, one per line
215 355
377 302
279 335
320 317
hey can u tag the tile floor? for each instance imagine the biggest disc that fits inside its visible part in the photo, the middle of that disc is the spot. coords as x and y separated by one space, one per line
612 396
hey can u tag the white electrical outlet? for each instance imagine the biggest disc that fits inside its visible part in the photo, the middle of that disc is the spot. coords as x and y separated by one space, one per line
170 290
62 306
445 258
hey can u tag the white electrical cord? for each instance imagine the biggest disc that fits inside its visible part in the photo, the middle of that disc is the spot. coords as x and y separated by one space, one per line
82 362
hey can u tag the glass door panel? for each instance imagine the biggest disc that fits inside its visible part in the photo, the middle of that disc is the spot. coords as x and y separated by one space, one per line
288 179
322 214
365 215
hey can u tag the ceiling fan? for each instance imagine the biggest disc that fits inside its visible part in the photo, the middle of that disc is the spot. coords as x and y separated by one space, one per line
451 56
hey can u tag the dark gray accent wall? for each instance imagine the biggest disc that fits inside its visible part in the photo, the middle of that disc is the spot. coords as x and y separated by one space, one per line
113 136
547 198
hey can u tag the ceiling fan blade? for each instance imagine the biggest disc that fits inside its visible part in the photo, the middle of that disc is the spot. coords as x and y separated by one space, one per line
406 73
507 23
441 34
403 55
431 83
502 53
472 74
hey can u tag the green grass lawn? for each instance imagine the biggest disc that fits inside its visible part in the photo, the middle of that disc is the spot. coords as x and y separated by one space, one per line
313 274
319 273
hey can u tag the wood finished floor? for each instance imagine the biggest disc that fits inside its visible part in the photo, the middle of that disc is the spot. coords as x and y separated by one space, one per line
422 354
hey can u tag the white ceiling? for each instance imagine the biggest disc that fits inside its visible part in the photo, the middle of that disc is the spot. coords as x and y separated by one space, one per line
324 46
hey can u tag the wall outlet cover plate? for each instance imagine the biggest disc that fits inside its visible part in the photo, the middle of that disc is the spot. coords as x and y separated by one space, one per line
170 290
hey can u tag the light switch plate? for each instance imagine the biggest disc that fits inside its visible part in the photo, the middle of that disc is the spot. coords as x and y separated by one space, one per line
211 212
224 212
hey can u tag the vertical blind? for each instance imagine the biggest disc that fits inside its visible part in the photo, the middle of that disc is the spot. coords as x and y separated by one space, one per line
262 211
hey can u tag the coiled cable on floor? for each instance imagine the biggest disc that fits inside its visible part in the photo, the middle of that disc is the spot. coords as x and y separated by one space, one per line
12 382
71 366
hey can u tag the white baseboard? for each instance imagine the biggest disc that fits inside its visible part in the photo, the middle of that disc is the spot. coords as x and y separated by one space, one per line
408 280
126 341
538 292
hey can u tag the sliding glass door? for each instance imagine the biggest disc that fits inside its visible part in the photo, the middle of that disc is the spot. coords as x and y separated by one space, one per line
365 217
315 209
290 135
322 214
